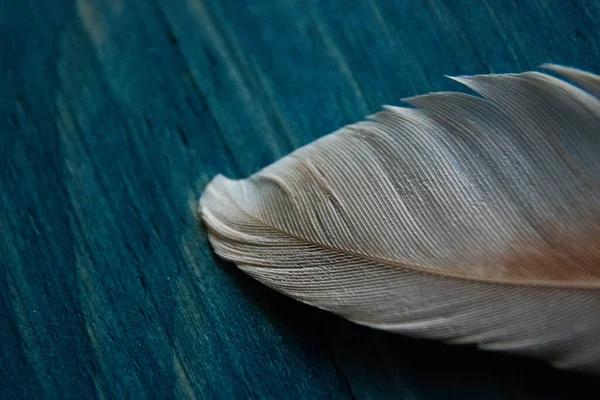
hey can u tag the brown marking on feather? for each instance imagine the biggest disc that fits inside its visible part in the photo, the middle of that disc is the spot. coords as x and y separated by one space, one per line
561 256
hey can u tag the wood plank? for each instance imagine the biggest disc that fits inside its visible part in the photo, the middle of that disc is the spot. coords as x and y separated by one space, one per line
117 113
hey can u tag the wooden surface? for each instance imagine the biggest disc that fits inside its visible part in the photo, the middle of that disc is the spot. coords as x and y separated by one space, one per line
115 114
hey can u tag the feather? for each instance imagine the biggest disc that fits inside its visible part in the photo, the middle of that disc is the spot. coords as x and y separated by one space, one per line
462 218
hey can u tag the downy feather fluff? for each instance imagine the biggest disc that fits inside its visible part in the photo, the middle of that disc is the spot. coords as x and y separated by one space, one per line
468 219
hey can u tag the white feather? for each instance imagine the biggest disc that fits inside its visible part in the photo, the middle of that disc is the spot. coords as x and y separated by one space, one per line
466 219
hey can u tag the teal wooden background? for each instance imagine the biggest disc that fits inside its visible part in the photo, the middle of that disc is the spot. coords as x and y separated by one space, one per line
115 114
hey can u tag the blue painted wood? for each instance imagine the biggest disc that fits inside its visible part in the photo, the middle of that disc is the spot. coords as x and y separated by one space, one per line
115 114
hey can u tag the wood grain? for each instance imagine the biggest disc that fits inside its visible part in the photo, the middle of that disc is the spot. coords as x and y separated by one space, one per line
116 113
